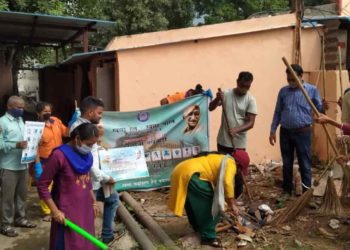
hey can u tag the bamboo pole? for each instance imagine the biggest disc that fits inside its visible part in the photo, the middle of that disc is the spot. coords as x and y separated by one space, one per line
324 87
148 221
136 231
340 72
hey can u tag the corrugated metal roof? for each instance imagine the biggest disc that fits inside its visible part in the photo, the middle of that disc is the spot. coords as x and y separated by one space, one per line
79 57
344 19
38 29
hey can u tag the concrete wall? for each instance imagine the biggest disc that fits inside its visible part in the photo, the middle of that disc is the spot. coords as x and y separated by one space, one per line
148 74
345 7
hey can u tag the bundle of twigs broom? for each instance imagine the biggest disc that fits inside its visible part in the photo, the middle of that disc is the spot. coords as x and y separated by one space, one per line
329 204
345 187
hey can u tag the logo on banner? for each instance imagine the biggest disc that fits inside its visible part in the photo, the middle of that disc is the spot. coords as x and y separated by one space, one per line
142 116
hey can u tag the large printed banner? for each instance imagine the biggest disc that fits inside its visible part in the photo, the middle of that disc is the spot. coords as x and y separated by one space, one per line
169 134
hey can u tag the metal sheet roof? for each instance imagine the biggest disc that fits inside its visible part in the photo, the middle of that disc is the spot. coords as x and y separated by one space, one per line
344 19
86 56
39 29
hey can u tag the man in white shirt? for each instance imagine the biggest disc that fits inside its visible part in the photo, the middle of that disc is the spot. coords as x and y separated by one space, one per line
91 110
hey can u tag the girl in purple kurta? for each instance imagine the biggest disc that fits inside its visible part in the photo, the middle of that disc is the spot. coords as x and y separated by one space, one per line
72 196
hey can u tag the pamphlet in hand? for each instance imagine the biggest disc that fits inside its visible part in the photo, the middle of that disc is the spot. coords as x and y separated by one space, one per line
32 134
124 163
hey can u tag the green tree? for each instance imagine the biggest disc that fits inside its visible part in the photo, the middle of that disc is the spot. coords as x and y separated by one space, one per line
217 11
139 16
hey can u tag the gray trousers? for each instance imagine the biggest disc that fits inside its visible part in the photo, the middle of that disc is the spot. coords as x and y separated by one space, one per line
14 187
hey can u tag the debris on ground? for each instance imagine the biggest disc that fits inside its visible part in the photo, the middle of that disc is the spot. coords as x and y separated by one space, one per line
334 224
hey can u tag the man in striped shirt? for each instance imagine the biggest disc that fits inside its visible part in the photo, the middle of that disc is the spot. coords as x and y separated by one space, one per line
294 114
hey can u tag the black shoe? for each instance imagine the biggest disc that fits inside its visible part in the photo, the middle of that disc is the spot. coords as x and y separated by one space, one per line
8 231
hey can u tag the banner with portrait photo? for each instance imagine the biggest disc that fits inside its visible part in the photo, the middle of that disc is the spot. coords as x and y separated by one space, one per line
168 134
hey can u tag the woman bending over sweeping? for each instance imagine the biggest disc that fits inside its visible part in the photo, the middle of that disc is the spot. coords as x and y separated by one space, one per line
72 195
201 185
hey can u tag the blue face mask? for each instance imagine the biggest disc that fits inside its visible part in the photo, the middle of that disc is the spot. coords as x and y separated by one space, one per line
83 149
15 112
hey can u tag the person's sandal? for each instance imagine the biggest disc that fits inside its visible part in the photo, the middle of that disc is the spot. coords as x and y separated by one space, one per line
25 223
212 242
46 218
8 231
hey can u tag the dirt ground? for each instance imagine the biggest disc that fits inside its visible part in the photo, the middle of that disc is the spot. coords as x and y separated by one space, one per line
309 230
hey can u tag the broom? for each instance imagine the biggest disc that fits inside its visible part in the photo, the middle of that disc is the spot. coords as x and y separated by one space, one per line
345 186
295 208
291 212
233 146
331 203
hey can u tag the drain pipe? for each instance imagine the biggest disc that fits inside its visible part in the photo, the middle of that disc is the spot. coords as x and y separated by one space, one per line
144 242
148 221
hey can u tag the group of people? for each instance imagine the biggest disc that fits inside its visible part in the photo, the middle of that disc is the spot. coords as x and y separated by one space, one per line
197 183
70 181
69 178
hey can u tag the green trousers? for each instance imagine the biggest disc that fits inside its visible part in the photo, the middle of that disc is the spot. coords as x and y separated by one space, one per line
198 207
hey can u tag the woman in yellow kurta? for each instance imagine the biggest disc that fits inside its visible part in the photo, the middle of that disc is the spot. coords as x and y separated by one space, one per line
192 186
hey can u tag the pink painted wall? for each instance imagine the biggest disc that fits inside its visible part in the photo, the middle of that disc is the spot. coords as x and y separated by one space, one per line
147 74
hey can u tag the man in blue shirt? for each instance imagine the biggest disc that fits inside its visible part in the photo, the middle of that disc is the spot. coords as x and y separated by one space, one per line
294 114
14 175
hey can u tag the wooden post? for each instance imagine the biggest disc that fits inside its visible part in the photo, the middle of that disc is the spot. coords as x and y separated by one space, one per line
298 8
340 72
86 41
56 54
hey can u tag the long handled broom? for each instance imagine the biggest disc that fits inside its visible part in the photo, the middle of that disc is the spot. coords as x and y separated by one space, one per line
233 146
296 207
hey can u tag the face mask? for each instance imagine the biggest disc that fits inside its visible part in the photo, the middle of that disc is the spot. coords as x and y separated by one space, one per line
46 116
16 112
84 149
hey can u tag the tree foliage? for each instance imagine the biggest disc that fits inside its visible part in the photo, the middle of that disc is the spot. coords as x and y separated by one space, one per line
217 11
139 16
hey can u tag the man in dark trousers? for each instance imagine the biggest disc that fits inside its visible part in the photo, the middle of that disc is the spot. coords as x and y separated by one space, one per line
294 114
